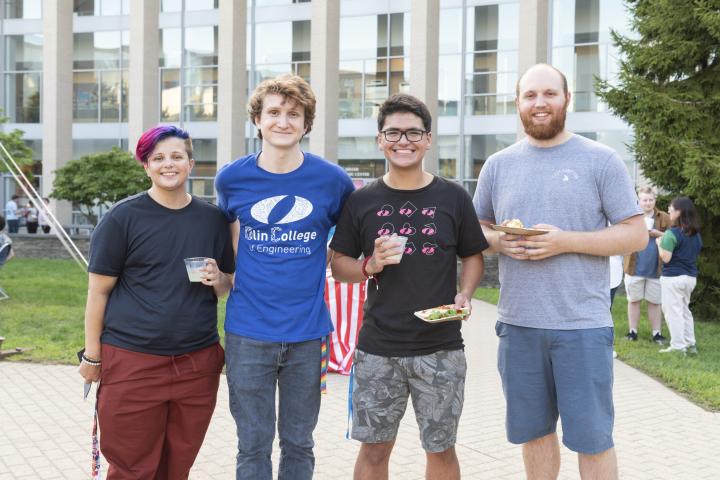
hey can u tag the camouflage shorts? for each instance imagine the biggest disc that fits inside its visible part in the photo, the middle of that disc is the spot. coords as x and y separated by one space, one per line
381 386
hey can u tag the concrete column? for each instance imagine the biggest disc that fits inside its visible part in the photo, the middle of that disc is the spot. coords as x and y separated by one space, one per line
424 51
144 84
324 76
534 39
232 80
57 94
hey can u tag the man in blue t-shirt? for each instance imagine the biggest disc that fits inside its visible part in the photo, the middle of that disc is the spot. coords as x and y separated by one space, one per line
282 203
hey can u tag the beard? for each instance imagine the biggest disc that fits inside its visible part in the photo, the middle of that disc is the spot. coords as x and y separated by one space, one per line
548 131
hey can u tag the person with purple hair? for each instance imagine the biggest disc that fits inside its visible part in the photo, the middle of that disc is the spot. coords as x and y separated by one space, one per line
150 334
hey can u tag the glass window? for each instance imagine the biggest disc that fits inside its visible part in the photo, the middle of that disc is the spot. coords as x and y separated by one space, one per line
360 157
448 84
85 96
450 33
201 46
272 3
352 29
447 156
171 5
583 48
200 94
101 7
23 66
587 21
87 146
301 41
23 9
273 42
170 47
113 96
479 147
97 50
492 33
23 52
196 5
22 97
170 95
350 91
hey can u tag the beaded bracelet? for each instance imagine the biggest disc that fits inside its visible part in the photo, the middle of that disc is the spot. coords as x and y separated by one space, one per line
90 361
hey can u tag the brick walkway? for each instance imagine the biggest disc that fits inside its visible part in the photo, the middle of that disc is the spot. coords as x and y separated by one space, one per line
45 427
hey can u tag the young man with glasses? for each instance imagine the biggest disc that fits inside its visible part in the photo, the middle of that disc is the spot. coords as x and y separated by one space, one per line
399 355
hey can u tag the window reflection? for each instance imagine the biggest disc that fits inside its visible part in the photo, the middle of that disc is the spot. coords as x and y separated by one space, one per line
23 9
23 74
101 7
280 48
479 147
360 157
491 71
100 77
188 77
372 69
582 47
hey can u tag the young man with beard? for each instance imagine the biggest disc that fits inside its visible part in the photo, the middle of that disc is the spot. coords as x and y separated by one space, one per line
281 202
554 325
398 355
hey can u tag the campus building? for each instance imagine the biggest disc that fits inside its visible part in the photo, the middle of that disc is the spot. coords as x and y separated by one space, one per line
82 76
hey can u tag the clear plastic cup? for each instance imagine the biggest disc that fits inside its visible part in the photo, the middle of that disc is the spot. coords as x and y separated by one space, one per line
402 240
193 266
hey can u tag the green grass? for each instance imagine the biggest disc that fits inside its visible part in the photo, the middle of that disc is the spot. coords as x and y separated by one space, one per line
696 377
46 308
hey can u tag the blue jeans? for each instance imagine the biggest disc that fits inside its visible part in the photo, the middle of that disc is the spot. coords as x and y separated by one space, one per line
254 368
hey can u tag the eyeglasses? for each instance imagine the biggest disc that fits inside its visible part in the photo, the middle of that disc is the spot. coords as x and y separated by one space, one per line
396 135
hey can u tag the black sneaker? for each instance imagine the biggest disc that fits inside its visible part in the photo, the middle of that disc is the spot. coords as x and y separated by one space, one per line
692 350
659 339
631 336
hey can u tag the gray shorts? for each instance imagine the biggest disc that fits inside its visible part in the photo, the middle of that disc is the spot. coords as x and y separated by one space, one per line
546 373
381 386
642 288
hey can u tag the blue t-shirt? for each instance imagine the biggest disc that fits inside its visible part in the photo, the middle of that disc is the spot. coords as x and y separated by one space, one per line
685 251
281 256
647 261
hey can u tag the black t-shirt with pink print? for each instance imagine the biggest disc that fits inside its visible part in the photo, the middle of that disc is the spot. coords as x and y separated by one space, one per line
440 223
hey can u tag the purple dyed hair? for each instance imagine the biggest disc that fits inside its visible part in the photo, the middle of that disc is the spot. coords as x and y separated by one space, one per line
149 140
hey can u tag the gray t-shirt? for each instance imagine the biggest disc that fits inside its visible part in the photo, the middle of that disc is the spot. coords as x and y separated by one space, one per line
579 185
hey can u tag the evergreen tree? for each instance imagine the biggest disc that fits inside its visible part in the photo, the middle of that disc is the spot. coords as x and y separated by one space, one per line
668 89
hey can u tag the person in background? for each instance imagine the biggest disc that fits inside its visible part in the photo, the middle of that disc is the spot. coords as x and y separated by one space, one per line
31 218
151 334
679 249
642 270
43 220
5 240
11 214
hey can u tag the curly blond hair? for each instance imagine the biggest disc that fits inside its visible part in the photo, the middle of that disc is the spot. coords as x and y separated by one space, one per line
291 87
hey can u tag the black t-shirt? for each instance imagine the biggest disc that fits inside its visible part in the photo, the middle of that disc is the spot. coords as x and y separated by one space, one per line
153 307
440 223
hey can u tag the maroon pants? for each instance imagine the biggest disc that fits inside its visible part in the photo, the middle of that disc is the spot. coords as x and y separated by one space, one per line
154 410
